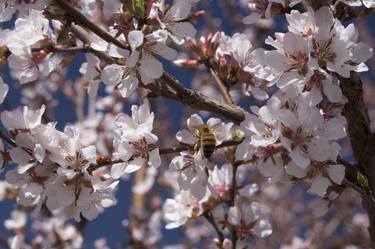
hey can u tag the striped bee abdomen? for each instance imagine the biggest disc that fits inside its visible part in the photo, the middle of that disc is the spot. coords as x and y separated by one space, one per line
208 143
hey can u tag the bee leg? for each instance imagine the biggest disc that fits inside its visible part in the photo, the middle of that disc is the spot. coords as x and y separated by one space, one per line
196 148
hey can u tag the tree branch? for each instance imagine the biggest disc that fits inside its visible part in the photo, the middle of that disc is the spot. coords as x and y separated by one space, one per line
361 137
211 220
169 87
220 84
173 150
85 22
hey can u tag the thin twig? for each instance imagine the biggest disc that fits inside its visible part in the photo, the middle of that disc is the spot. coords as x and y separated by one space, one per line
172 150
222 88
211 220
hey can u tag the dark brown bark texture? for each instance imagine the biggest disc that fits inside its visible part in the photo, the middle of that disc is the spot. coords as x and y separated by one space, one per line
361 137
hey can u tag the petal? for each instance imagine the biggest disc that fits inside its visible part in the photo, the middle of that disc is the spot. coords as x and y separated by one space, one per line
128 85
298 157
185 136
294 170
336 173
135 39
118 170
179 10
234 215
135 165
319 185
112 74
154 159
164 51
181 30
194 121
150 67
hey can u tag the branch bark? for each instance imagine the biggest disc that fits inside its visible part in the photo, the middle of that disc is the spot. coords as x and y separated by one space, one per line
361 138
169 87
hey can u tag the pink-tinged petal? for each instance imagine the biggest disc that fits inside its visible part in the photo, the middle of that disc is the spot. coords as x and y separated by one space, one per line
135 39
185 136
333 92
294 170
117 52
194 121
128 85
361 52
150 67
135 165
179 10
181 30
319 185
112 74
319 149
118 170
65 196
164 51
299 159
244 150
336 173
295 44
39 153
154 159
234 215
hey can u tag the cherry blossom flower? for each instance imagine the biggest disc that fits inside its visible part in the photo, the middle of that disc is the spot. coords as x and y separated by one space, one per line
249 59
249 220
134 143
220 179
140 61
173 19
177 211
334 46
291 62
191 173
22 118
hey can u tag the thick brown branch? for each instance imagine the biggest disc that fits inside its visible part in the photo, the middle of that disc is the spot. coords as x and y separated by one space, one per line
361 137
168 86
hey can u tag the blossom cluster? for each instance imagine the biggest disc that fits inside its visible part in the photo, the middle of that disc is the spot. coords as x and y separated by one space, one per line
292 136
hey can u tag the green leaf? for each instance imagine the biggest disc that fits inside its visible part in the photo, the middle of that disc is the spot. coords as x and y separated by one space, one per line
139 8
361 179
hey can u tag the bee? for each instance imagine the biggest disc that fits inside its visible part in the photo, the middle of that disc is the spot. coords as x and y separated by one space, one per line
207 140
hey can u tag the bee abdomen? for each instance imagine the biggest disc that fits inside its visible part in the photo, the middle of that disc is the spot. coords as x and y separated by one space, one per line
208 146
